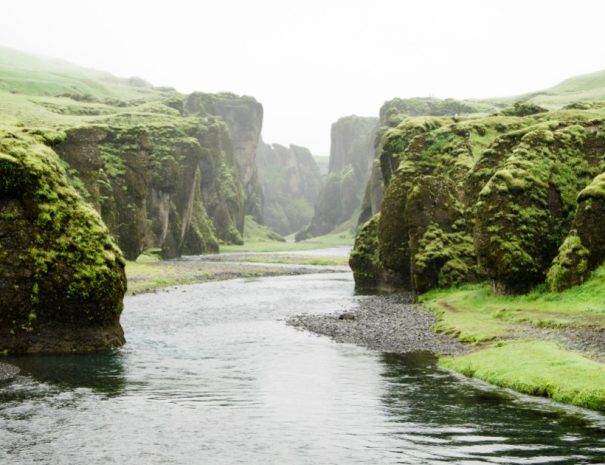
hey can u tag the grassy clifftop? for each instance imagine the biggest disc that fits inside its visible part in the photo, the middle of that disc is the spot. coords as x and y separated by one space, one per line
164 169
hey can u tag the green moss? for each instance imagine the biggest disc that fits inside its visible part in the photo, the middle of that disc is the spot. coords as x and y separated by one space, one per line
540 368
364 259
570 266
523 109
75 265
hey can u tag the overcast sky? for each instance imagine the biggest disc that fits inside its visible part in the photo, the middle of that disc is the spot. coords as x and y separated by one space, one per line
310 62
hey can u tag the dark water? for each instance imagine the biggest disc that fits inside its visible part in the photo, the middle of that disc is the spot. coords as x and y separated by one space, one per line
212 375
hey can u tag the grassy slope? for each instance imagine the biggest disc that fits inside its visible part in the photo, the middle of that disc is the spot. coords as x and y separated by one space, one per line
42 92
587 87
475 314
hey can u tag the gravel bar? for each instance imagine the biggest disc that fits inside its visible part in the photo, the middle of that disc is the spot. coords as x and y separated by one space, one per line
385 323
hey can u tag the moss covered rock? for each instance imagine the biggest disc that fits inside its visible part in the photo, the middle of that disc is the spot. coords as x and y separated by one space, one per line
492 197
584 248
168 185
291 183
525 210
61 275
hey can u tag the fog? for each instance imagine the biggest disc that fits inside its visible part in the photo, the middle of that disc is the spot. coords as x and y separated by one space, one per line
310 62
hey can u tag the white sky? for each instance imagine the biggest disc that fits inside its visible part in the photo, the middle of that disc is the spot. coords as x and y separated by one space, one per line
310 62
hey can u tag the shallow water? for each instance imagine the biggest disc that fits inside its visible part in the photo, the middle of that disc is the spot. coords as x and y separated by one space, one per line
212 375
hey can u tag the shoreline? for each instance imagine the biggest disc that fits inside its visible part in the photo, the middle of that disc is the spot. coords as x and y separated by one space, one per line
564 364
387 323
149 277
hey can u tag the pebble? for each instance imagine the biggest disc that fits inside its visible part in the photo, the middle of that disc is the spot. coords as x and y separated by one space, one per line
385 323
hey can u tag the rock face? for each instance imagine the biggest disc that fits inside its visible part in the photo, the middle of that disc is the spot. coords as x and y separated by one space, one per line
181 178
392 113
584 248
291 183
173 186
351 155
244 119
61 275
516 199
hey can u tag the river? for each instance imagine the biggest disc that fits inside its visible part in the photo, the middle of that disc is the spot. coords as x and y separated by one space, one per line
211 374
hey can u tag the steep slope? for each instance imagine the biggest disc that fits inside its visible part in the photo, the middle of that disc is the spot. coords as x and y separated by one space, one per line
291 182
351 155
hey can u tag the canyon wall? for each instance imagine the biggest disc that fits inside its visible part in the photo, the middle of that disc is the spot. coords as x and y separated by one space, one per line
512 197
351 156
291 182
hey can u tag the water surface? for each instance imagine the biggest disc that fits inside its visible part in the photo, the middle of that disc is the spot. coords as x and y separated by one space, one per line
212 375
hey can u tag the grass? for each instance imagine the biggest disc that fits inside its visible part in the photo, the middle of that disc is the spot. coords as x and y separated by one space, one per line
539 368
315 260
586 87
475 314
320 242
148 275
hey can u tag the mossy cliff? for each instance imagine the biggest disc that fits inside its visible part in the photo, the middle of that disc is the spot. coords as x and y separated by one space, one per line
244 119
351 155
392 113
291 183
488 197
61 274
172 185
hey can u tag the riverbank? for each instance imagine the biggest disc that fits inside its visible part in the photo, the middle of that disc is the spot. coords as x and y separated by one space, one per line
557 341
543 344
389 324
150 276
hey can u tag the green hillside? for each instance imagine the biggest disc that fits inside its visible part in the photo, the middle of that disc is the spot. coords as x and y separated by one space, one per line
583 88
39 91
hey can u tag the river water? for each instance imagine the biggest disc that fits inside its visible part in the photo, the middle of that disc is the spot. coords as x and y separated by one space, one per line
211 374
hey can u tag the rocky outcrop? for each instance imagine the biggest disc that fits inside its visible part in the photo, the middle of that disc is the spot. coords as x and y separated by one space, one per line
244 119
351 155
584 248
169 185
499 197
392 114
291 183
61 275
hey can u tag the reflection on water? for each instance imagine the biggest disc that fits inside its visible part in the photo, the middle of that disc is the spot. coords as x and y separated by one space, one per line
103 373
211 374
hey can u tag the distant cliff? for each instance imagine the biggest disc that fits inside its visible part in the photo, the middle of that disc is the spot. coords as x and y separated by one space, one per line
291 182
351 155
244 119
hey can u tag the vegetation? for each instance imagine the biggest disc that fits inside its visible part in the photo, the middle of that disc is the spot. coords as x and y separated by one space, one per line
160 167
540 368
60 269
478 315
320 242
